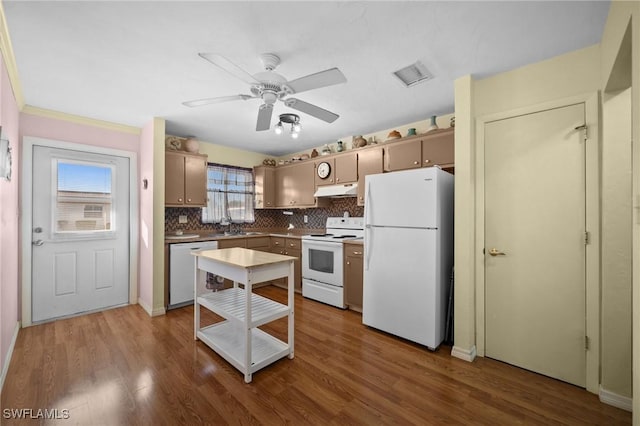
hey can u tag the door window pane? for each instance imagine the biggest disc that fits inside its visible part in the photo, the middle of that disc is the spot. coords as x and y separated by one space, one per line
84 197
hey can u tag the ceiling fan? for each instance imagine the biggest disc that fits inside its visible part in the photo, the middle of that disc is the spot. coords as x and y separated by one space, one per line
271 87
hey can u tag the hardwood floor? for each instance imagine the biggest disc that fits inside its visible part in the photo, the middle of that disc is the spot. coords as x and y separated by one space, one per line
120 367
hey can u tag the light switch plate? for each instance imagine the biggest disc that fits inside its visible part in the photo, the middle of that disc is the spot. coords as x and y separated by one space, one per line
182 218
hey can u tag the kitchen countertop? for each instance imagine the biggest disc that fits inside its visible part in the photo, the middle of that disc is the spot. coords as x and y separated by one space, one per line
358 241
205 235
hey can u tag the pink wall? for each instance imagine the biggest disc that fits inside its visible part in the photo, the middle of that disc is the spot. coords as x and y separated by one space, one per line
15 125
9 220
51 128
145 267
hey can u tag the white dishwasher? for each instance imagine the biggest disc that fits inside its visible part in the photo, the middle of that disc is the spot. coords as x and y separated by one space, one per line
182 272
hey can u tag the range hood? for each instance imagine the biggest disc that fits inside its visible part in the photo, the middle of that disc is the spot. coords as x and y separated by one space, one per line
337 191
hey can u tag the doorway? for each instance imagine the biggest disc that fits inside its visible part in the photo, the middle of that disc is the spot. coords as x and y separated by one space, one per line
537 294
79 229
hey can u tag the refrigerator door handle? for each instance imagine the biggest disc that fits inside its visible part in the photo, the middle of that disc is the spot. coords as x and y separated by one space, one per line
368 246
368 206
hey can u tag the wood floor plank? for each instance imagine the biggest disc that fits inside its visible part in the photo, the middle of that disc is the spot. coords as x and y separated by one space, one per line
121 367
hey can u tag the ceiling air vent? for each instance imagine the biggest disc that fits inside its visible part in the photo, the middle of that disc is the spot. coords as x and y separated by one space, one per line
413 74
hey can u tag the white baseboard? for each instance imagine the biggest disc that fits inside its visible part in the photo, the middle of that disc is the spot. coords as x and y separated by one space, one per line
158 311
152 312
146 307
610 398
7 359
464 354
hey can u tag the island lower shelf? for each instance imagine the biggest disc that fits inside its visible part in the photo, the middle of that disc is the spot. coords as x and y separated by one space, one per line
227 339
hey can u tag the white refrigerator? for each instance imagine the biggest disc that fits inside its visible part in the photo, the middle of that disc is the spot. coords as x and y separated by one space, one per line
408 253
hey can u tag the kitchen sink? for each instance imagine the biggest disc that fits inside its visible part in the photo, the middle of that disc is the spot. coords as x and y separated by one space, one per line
181 237
231 234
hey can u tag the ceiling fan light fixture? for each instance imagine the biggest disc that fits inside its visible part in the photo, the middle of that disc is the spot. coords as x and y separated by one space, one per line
292 119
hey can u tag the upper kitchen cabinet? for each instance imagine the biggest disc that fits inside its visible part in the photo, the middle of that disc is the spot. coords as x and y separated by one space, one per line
369 163
403 155
295 185
438 148
346 168
325 171
185 179
336 170
435 148
265 187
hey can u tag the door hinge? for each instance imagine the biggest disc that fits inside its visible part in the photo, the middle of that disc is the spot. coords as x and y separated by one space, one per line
586 131
587 237
587 342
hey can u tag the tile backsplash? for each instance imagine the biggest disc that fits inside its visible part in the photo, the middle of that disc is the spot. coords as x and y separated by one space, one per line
266 218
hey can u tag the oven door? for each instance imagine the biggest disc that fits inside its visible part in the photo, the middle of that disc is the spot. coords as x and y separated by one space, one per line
322 261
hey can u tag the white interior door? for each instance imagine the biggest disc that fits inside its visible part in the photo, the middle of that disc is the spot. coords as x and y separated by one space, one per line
535 242
80 249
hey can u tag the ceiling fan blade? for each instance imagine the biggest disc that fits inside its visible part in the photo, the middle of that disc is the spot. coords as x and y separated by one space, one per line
310 109
264 117
314 81
228 66
207 101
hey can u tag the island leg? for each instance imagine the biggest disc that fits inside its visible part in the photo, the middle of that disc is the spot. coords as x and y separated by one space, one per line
290 294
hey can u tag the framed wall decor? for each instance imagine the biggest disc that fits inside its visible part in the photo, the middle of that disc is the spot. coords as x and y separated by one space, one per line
5 159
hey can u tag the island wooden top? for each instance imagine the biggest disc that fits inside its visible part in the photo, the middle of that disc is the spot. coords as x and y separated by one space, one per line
242 257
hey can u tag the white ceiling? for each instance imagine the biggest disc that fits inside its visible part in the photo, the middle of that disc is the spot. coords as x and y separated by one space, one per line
127 62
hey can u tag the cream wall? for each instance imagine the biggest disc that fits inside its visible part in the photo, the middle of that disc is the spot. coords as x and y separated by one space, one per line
567 76
616 243
622 15
576 73
230 156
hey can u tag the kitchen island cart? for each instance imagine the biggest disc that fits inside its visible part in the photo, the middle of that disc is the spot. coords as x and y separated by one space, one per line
237 338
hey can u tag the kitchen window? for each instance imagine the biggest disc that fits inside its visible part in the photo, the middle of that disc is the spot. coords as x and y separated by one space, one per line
230 194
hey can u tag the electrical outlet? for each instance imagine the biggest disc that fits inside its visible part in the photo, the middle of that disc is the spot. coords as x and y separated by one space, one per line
305 218
182 218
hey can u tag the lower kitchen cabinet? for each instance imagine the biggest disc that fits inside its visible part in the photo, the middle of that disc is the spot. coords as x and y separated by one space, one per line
289 247
353 271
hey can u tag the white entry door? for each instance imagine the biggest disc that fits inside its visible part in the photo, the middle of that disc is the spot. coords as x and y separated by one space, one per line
80 235
535 242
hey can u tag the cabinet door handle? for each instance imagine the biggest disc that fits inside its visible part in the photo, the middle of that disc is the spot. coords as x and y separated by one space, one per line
277 243
268 203
188 200
348 263
291 244
337 179
180 199
355 253
415 162
427 161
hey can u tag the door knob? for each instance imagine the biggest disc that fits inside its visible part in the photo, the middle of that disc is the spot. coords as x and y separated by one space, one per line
37 243
495 252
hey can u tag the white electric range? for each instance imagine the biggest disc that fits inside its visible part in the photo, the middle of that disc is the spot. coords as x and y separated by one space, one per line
322 278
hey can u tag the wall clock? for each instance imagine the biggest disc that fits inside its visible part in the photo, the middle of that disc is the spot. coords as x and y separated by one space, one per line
324 170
